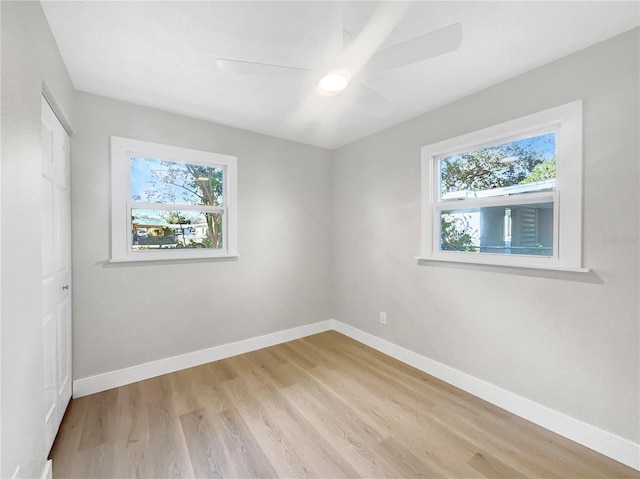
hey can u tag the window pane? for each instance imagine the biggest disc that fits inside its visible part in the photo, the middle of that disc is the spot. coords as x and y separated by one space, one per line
155 181
154 230
520 229
522 166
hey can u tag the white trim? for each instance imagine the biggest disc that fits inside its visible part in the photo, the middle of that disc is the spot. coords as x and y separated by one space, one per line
466 195
477 203
615 447
47 472
473 260
121 377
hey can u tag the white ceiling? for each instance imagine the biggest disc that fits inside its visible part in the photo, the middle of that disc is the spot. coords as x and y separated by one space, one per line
163 54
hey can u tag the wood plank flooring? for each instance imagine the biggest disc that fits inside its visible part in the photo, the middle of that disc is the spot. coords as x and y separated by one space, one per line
319 407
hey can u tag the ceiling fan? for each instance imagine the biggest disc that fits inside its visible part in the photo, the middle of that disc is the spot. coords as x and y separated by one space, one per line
359 59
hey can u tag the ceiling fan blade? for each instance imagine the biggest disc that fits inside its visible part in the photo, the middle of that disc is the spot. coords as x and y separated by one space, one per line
372 101
254 68
425 46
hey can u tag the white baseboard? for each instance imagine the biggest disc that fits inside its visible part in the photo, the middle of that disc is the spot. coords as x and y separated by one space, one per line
121 377
47 472
615 447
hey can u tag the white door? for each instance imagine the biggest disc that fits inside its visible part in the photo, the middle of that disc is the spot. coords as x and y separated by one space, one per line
56 270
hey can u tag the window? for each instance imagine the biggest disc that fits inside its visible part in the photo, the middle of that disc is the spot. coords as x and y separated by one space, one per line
171 203
507 195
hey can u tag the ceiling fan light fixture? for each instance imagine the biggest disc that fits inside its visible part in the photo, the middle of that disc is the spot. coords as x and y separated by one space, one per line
333 83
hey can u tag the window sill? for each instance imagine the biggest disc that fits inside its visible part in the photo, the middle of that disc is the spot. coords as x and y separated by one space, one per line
175 259
425 261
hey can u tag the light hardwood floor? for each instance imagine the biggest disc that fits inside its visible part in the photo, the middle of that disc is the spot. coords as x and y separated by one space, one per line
323 406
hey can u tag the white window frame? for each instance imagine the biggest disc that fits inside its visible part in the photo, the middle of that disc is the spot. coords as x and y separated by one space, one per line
122 150
566 122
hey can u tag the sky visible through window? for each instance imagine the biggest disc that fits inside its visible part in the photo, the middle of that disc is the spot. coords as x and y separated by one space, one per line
155 181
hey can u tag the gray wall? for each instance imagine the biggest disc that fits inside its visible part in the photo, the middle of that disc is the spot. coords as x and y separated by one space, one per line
567 341
29 57
128 314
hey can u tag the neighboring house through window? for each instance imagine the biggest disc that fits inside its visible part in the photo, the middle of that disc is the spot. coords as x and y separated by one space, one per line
171 203
507 195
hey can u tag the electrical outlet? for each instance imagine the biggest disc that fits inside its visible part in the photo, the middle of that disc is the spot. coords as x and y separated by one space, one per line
383 317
